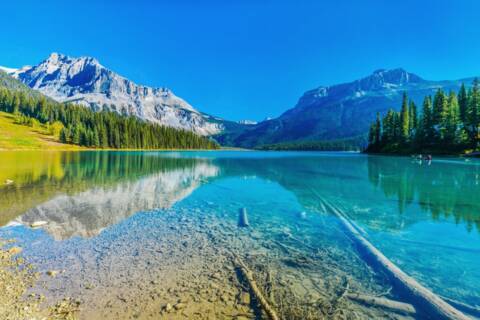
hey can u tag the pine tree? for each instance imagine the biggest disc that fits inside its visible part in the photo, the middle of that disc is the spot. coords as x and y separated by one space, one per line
412 111
404 119
427 122
371 136
64 135
439 107
472 116
378 130
452 118
462 103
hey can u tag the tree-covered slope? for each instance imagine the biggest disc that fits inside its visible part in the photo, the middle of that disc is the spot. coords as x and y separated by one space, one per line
82 126
447 123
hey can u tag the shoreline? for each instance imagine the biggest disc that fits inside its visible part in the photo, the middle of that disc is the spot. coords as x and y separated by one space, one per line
17 279
80 149
475 154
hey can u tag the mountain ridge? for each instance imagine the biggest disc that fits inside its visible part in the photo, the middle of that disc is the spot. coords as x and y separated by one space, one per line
341 111
84 80
335 112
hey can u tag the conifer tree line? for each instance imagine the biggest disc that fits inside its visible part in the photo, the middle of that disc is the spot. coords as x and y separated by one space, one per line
445 123
84 127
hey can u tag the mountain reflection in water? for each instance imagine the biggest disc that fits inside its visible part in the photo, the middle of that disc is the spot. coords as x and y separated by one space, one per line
80 193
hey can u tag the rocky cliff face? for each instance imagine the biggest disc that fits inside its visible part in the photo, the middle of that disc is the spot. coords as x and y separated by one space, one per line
85 81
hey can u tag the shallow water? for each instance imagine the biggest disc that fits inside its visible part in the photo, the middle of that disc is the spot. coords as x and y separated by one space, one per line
132 231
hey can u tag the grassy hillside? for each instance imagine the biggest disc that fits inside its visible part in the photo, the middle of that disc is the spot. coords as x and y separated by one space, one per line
21 137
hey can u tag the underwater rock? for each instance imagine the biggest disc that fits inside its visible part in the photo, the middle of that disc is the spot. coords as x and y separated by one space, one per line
245 298
179 306
52 273
168 307
14 250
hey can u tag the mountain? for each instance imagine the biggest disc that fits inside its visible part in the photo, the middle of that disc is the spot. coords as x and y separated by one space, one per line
339 112
85 81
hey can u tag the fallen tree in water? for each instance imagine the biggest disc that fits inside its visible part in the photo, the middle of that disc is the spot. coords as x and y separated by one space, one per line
248 275
399 307
420 296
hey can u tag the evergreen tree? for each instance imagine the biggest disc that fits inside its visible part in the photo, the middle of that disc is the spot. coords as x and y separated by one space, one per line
427 124
462 103
378 130
439 107
412 111
64 135
472 116
404 119
451 120
371 136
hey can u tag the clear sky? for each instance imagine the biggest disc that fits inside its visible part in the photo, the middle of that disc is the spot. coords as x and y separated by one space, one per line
248 59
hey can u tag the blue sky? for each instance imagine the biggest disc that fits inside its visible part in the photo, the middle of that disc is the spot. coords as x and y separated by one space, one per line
248 59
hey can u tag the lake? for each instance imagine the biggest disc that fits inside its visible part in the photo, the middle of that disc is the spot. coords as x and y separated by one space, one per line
151 234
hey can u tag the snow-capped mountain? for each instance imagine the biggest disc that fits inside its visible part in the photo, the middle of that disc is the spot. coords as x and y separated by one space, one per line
342 111
85 81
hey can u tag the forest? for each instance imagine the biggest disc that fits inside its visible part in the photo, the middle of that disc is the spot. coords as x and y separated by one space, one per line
448 123
349 144
79 125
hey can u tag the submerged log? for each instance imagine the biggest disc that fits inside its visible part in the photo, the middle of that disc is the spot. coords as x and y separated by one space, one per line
38 224
243 218
384 303
471 310
248 275
420 296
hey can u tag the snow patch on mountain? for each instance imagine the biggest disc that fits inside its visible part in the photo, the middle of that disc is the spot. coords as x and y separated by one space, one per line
85 81
247 122
7 70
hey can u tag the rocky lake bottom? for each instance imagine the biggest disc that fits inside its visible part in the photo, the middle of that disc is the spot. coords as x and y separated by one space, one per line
181 243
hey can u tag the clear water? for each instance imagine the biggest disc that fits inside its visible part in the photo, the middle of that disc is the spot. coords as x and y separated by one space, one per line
108 213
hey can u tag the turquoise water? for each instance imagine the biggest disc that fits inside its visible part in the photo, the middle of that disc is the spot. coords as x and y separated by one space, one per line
105 211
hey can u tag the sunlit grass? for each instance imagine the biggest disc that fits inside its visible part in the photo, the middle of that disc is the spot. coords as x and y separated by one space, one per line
21 137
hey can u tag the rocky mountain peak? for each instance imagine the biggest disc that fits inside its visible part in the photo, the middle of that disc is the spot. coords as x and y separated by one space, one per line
385 77
85 81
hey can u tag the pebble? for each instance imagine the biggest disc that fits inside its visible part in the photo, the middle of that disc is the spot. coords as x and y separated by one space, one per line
179 306
89 286
245 298
216 276
52 273
168 307
14 250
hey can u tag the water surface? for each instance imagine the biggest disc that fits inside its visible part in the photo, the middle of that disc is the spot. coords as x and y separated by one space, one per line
132 231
